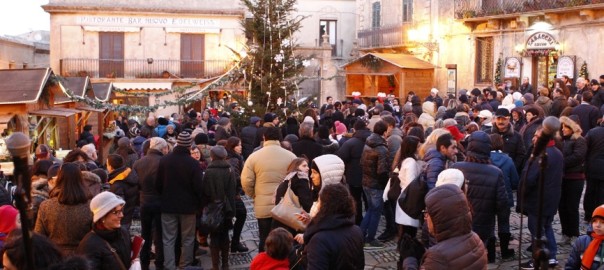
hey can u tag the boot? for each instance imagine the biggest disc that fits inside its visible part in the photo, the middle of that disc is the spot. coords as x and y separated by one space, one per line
491 249
504 241
225 256
215 254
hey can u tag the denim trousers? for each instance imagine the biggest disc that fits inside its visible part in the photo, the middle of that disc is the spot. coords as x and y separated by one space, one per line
375 204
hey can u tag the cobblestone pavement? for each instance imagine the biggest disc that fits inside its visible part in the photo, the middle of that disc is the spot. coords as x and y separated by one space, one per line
387 257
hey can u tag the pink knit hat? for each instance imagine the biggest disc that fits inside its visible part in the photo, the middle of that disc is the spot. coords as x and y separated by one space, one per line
340 128
8 220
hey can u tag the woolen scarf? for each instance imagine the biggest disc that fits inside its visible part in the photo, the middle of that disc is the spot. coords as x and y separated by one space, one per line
590 252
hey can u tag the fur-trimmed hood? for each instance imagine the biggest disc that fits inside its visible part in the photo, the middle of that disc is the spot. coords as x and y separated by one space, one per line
573 125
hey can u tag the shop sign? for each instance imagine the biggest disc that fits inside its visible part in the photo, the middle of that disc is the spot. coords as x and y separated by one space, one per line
566 66
541 40
512 68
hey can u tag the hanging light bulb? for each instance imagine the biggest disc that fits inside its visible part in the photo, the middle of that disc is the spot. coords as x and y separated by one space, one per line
250 103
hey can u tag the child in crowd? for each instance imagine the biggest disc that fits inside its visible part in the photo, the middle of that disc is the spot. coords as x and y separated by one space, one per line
587 250
277 248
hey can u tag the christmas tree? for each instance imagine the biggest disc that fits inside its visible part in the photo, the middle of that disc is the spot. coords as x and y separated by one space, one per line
498 68
270 70
583 71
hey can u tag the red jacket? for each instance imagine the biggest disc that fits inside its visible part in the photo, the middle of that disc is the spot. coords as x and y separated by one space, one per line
263 261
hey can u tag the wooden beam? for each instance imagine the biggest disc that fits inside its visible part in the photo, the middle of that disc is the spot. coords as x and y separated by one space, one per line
554 18
587 15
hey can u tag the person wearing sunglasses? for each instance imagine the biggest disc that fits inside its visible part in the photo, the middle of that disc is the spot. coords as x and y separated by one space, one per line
107 245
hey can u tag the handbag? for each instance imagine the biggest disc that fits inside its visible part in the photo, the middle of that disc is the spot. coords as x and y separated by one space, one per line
412 198
212 216
285 212
395 186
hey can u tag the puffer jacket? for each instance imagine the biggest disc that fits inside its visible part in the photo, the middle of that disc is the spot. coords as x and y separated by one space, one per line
513 145
331 169
426 119
574 150
394 144
436 162
457 246
576 255
124 183
375 162
219 184
262 173
101 247
486 189
248 138
334 243
558 105
552 187
350 152
416 105
510 174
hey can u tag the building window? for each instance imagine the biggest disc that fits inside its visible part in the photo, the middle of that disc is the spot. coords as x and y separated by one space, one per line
329 27
111 54
484 60
376 9
407 10
192 49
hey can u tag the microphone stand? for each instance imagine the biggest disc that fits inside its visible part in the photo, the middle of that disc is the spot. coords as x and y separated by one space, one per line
540 252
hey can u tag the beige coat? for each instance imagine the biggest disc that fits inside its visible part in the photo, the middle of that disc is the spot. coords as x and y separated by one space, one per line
262 173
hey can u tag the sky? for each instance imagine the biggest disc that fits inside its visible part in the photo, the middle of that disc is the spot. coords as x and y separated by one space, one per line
21 16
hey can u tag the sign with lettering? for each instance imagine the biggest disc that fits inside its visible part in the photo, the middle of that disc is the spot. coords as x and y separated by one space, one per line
148 21
541 40
512 68
566 66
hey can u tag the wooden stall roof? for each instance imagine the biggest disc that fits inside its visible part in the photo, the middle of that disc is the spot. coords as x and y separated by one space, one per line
77 85
18 86
90 109
399 60
55 112
102 91
133 86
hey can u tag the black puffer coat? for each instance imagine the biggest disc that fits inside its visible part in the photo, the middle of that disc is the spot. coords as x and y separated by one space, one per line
486 187
96 247
574 150
308 148
350 152
334 243
248 138
458 247
375 162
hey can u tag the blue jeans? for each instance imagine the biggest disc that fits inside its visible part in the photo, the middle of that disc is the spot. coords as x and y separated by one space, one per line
375 204
547 230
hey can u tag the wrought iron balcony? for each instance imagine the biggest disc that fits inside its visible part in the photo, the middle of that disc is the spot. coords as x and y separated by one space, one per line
143 68
467 9
385 36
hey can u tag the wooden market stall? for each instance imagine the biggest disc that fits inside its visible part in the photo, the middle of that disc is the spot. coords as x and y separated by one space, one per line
395 74
101 92
27 105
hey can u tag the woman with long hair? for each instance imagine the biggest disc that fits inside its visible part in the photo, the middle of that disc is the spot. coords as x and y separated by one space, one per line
298 179
65 218
332 240
234 148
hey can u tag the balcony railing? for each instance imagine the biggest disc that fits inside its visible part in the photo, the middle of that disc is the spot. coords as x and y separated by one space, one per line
385 36
143 68
466 9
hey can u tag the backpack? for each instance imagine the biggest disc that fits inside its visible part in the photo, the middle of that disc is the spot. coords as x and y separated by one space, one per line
412 198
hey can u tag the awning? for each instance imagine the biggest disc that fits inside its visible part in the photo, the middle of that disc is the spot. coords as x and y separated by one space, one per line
55 112
400 60
112 29
129 86
4 119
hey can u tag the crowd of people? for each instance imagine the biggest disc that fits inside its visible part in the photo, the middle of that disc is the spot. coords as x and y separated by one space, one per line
345 164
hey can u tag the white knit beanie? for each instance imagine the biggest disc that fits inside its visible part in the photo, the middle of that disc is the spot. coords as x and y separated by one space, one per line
450 176
102 203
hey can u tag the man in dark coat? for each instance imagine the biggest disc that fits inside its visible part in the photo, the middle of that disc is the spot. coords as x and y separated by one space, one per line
86 136
598 92
594 170
526 87
248 136
588 114
179 185
486 189
124 183
436 159
560 102
513 144
449 219
270 120
529 192
306 146
150 203
375 177
350 152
